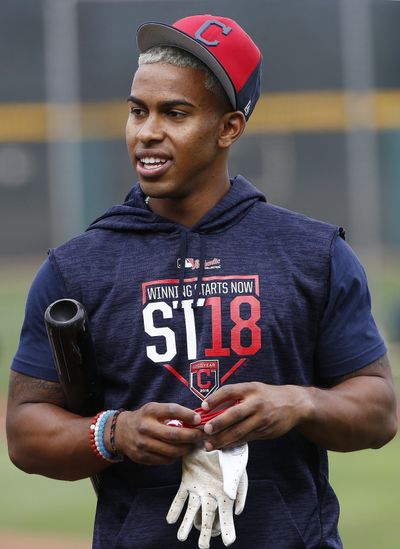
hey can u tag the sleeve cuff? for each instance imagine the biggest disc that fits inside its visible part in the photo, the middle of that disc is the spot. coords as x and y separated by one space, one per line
39 372
336 369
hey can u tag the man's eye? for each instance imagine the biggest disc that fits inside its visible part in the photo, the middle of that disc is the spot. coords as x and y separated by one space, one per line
176 114
136 111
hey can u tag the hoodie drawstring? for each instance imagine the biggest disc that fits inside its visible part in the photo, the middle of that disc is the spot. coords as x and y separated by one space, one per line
201 271
182 257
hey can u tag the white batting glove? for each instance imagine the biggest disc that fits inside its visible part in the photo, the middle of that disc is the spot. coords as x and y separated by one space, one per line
213 481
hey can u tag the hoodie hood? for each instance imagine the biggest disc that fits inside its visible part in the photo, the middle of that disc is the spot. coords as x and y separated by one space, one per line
135 216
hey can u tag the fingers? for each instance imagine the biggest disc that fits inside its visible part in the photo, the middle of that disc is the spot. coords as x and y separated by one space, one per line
216 528
155 452
233 463
165 411
235 436
237 427
143 437
198 520
205 508
228 533
241 494
225 394
177 505
233 393
208 509
187 523
153 422
230 417
160 440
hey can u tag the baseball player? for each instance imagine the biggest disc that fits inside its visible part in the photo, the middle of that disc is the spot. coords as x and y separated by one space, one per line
203 298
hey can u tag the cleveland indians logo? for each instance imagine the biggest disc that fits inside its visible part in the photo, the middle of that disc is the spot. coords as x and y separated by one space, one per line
202 344
199 33
204 377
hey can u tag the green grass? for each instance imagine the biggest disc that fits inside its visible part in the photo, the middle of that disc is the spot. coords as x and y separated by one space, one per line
30 503
15 279
367 483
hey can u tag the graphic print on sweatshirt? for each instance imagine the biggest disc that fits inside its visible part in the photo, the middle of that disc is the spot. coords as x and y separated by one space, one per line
202 340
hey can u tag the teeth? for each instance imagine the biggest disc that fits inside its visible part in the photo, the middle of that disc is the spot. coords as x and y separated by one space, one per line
152 160
152 163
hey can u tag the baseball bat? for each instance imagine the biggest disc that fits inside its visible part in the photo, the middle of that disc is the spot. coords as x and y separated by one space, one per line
73 351
74 356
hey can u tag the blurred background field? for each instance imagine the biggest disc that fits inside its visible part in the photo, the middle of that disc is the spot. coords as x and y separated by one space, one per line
324 140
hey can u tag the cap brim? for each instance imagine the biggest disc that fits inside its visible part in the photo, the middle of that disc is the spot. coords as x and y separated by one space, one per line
151 34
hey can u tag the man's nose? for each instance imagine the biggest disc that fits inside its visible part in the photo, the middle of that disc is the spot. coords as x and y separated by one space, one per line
151 129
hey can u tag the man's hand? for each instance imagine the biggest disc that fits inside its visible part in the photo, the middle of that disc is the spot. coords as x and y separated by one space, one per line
264 412
353 412
144 437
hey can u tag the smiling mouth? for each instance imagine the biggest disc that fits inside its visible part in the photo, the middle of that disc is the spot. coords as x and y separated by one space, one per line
152 163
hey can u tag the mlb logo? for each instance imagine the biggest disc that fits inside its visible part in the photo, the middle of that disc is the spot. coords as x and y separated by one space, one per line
190 263
204 377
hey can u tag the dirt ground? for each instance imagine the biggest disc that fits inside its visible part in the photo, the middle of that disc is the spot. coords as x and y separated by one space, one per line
14 540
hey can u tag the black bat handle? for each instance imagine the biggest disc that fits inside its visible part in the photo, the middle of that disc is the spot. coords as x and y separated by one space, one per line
71 343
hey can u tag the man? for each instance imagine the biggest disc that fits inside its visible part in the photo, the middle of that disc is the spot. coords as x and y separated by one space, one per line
198 291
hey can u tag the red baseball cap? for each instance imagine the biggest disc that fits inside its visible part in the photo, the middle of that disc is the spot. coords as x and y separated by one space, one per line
222 45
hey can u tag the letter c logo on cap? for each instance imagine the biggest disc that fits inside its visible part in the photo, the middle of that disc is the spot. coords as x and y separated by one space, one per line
225 30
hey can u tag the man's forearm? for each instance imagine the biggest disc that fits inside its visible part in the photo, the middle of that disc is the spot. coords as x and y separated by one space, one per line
358 413
47 440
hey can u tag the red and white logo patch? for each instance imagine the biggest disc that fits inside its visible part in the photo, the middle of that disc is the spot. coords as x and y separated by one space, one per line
204 377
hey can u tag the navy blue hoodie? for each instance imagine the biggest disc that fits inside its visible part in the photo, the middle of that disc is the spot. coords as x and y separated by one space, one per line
178 312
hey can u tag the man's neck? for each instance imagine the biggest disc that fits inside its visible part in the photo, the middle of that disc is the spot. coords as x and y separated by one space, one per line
190 209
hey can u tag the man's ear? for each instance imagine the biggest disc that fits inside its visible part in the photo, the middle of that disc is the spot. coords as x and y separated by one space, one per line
232 127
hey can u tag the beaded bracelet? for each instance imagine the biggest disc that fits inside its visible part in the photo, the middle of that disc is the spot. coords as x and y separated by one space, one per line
97 428
94 437
92 440
99 434
112 431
